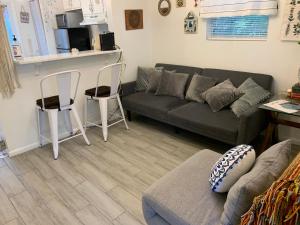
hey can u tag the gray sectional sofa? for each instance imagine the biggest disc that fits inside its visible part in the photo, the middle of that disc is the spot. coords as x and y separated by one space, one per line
198 118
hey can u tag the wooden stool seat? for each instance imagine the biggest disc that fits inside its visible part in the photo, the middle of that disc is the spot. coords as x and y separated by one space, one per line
51 102
102 91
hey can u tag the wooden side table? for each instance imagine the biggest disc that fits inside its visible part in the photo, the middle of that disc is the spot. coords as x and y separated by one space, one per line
271 135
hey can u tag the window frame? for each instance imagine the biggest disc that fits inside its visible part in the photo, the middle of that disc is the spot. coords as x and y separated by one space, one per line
232 38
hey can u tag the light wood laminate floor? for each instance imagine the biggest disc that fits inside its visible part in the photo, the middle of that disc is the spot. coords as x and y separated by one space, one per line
101 184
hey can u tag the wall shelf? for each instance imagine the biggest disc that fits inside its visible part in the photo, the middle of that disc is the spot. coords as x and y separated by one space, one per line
63 56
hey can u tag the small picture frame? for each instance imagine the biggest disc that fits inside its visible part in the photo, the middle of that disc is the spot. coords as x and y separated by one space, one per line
180 3
24 16
191 23
134 19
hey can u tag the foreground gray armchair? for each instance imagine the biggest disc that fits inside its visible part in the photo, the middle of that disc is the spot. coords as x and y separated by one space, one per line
183 196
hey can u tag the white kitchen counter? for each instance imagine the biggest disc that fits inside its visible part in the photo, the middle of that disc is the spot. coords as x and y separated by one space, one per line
62 56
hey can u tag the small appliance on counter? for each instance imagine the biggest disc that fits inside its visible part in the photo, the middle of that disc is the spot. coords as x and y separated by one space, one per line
69 19
67 39
107 41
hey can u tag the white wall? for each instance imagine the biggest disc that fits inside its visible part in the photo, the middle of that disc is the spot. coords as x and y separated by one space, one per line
137 44
24 32
275 57
17 115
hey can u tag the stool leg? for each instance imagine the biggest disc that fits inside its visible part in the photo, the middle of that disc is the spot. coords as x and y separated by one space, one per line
76 116
103 111
122 111
53 122
85 112
68 122
39 126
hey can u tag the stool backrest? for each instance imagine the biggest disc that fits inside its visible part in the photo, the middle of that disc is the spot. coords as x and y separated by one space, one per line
67 82
115 71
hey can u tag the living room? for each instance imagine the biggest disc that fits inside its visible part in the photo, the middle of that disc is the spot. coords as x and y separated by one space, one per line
140 156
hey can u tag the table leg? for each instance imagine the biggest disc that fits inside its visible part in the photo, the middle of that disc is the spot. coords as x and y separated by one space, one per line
268 136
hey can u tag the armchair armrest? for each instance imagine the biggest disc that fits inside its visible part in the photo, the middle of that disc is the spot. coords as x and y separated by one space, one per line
252 122
128 88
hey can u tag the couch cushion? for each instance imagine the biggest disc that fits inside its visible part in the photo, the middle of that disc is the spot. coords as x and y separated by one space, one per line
172 84
150 105
199 84
237 78
222 95
183 196
199 118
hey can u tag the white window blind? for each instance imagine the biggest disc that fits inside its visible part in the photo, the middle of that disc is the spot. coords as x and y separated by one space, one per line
228 8
238 28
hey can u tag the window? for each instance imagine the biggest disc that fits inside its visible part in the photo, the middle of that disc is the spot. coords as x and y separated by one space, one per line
8 25
238 28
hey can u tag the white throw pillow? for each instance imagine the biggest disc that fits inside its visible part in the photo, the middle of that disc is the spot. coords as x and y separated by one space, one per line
230 167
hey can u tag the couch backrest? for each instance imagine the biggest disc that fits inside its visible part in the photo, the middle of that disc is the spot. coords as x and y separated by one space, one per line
236 77
181 69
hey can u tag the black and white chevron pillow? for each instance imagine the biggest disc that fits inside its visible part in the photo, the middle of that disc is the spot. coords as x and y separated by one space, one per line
230 167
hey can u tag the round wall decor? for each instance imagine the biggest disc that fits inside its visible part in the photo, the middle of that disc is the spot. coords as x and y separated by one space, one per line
164 7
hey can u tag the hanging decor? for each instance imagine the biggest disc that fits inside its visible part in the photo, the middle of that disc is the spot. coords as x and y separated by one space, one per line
180 3
24 16
196 3
164 7
291 24
134 19
191 23
8 76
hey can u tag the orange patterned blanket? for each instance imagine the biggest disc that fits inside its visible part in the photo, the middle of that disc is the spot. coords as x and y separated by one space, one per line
280 204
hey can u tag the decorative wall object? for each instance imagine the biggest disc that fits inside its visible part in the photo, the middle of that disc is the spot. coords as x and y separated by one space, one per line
24 16
191 23
164 7
196 3
134 19
291 24
180 3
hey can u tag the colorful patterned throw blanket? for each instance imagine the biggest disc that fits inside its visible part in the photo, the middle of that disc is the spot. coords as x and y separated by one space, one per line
280 204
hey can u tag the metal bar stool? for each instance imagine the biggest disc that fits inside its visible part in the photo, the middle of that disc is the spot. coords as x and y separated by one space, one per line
103 94
63 102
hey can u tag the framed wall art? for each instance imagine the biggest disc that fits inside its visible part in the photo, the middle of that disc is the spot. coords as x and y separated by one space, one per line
291 24
164 7
191 23
180 3
134 19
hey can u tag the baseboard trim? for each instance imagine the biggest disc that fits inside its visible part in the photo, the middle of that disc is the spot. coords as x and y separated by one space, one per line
24 149
33 146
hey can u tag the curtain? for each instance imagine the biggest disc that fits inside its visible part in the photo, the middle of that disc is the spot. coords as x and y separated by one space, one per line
229 8
8 76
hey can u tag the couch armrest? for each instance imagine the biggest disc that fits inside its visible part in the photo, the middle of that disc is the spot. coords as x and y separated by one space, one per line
128 88
251 124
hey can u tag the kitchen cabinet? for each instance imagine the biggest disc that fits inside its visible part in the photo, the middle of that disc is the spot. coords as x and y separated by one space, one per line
71 4
94 11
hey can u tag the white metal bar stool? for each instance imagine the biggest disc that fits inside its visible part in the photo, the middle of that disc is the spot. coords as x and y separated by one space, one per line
62 102
103 94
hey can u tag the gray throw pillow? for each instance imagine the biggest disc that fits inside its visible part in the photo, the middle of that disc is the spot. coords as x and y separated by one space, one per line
144 75
221 95
172 84
253 95
268 168
154 80
198 86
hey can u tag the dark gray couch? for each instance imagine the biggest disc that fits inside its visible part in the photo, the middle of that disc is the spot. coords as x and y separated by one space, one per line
198 118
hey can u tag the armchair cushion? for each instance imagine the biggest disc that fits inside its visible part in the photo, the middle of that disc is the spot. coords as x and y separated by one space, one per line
183 196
